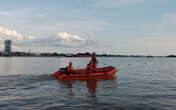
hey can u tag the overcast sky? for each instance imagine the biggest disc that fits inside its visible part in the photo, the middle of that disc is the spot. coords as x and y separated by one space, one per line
143 27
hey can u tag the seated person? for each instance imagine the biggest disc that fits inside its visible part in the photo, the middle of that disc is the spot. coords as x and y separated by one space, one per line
89 68
69 69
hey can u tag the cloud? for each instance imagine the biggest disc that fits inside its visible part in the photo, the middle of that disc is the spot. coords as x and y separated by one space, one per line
17 38
66 39
6 33
67 36
4 13
30 37
119 3
13 35
63 39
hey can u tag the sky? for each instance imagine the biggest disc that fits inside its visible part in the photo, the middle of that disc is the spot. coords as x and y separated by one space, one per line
130 27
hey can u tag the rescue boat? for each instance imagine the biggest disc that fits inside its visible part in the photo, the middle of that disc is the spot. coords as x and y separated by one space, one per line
78 74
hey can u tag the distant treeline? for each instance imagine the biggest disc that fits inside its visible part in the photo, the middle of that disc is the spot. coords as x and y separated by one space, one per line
87 54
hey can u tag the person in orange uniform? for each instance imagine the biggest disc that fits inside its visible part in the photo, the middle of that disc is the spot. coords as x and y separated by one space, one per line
89 68
94 61
69 69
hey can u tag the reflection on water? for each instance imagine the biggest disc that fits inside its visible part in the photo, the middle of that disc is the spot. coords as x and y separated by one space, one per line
7 65
91 85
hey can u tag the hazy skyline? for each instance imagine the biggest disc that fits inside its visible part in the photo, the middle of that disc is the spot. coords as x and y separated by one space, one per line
143 27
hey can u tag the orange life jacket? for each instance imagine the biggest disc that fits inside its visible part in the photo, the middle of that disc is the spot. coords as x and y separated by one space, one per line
89 67
69 68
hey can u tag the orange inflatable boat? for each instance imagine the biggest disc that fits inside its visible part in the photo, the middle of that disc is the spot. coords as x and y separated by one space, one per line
105 72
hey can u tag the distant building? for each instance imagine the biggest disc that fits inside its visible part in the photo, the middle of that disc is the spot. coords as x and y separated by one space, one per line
7 47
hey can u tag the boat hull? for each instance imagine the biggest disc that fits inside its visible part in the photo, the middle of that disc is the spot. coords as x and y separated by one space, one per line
105 72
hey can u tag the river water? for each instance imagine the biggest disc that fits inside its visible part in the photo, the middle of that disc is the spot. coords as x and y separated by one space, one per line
140 84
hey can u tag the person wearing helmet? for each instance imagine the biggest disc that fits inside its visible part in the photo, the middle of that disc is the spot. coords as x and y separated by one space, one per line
69 69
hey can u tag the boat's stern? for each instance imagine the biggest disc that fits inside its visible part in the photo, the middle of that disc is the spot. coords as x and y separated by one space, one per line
55 74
